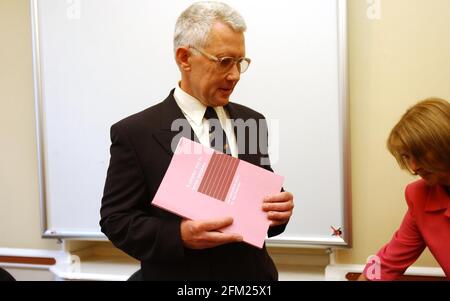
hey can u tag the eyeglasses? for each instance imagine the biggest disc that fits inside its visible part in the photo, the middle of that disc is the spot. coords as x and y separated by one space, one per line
227 62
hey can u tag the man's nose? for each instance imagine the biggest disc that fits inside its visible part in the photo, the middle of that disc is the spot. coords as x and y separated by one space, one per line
234 74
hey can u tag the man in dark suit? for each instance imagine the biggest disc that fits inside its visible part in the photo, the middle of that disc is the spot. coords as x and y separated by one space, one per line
5 276
210 53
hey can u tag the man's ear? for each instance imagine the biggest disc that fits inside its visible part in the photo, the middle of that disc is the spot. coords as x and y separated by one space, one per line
182 56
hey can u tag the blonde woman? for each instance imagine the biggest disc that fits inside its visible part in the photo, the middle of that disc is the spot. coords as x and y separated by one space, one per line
420 142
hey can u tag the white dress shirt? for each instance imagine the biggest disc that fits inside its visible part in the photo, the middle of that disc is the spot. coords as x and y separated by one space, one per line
194 111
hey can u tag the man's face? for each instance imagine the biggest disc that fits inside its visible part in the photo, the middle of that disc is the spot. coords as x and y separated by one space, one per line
206 81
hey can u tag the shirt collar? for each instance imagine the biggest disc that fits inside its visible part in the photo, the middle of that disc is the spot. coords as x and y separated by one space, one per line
438 199
190 105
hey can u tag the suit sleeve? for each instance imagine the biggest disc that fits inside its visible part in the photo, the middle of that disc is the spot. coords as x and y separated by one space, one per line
402 251
125 217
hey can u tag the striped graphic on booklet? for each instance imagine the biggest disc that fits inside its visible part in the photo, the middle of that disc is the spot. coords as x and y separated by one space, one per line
218 176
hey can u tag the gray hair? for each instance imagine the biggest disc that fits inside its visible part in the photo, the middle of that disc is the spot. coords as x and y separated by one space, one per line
194 24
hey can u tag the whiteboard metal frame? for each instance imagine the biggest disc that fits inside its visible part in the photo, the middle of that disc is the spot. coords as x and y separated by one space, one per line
345 115
344 241
40 125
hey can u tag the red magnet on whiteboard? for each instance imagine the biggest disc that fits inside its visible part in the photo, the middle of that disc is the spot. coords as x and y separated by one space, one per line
336 232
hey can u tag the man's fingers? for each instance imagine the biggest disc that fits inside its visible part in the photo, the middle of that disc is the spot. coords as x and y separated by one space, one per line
280 197
277 223
279 216
285 206
216 224
222 238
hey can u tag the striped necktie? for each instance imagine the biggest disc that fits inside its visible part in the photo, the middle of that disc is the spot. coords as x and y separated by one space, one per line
217 137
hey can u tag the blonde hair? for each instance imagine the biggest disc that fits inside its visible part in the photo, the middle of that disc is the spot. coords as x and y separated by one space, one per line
423 133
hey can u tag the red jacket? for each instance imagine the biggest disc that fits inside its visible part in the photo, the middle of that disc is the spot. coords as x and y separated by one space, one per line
426 224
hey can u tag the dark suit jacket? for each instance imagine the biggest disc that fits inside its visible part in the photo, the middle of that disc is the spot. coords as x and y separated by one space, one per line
140 155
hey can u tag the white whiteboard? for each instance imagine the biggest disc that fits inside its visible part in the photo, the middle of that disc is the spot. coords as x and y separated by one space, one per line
98 61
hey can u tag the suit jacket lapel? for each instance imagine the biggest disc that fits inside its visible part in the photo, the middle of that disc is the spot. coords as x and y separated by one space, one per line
438 199
165 135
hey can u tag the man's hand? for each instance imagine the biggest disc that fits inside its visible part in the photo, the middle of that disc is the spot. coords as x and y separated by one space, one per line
279 207
205 234
362 278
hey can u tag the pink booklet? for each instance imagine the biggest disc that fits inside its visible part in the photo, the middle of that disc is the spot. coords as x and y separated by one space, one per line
202 184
